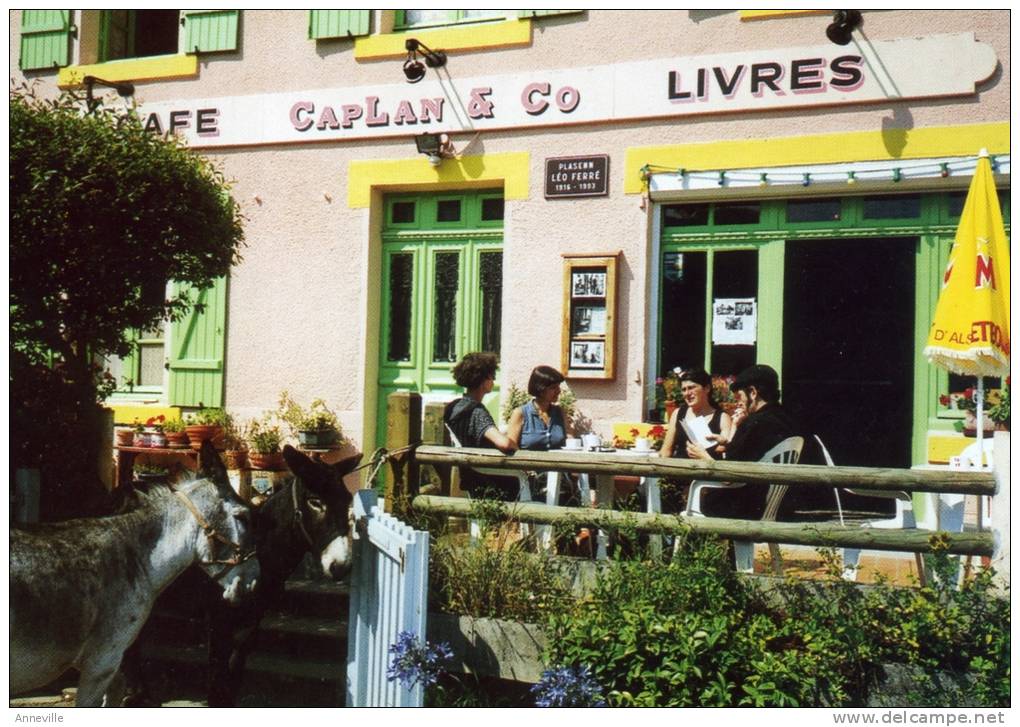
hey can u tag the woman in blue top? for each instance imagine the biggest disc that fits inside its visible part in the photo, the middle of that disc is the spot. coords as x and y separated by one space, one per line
540 424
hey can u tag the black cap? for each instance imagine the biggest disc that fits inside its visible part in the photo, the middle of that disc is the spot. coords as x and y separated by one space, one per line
762 377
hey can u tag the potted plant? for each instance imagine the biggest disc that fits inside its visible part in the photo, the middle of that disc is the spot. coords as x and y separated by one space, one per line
206 423
235 452
315 427
724 398
514 397
264 443
999 411
967 404
150 472
125 436
154 430
666 389
176 437
139 437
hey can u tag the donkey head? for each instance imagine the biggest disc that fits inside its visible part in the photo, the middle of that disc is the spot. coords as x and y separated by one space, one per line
322 504
227 550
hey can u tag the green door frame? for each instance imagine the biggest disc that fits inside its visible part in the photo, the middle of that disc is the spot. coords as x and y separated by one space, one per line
934 228
424 238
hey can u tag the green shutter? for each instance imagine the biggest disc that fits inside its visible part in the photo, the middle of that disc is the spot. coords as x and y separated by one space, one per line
197 346
45 38
206 31
543 13
338 23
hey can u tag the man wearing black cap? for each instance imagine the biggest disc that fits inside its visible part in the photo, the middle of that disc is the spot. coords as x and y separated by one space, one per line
760 424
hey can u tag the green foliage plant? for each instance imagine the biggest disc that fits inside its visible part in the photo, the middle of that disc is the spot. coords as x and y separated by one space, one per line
102 215
691 633
209 416
316 418
515 396
264 437
172 425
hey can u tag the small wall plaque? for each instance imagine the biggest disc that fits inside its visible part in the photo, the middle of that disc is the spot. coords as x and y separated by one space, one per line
586 176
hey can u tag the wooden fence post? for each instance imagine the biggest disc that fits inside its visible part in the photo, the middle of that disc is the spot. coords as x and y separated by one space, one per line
999 509
403 428
433 432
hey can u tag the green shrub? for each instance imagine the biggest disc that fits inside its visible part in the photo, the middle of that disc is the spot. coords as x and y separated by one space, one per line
496 578
691 633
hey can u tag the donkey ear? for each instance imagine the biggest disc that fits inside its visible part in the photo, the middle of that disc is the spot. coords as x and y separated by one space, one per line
300 464
347 464
210 465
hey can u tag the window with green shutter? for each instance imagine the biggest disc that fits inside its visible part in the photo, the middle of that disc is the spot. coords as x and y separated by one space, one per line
45 39
197 348
431 18
208 31
543 13
338 23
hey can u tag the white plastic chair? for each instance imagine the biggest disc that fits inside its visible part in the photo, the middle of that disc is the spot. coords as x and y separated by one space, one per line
786 452
972 454
904 517
523 489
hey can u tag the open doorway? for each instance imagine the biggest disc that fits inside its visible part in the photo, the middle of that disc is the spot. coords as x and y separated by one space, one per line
848 345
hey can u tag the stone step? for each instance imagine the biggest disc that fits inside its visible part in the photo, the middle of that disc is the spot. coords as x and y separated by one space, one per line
327 599
272 680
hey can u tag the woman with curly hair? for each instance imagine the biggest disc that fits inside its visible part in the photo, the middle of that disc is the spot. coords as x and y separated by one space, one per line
472 423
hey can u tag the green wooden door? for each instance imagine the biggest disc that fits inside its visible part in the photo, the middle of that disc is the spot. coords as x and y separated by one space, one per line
442 279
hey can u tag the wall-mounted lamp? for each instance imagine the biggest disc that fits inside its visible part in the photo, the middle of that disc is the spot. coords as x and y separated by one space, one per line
843 24
413 68
435 146
124 90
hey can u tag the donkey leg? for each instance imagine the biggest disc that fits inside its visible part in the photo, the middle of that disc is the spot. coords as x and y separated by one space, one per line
96 676
231 639
136 688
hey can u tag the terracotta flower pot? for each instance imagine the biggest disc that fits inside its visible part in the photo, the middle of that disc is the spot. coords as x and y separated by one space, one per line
235 459
177 440
198 433
273 462
125 437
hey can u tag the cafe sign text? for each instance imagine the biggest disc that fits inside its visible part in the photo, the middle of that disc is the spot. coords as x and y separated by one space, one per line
758 81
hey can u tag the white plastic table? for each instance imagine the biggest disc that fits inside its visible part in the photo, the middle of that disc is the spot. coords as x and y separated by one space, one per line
605 494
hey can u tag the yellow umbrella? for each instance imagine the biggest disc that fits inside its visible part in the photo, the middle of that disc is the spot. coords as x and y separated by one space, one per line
970 332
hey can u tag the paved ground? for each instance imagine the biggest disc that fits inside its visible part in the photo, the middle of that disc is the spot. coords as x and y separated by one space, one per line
65 698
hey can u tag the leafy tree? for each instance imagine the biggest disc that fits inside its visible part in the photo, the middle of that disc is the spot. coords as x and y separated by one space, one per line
103 214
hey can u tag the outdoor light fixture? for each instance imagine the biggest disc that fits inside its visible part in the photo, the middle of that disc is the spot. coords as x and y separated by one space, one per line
413 68
843 24
435 146
124 90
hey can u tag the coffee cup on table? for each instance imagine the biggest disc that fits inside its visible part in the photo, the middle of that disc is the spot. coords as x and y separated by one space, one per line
641 444
572 443
591 441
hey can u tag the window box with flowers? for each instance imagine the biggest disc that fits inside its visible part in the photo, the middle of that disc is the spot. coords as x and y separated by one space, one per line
996 409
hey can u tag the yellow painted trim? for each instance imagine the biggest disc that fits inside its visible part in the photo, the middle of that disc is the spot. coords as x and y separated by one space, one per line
512 169
851 146
127 413
132 69
621 430
770 14
943 446
465 37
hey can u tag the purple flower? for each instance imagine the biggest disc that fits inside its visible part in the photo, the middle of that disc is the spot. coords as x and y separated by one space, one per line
568 686
416 661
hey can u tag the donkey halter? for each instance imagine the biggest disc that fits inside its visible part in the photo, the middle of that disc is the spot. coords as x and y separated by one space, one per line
299 513
239 554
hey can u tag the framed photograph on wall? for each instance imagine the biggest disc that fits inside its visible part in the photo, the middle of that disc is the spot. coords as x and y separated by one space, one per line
587 354
589 320
589 315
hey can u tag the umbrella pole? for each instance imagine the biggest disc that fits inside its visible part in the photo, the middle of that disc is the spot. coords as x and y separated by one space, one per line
980 420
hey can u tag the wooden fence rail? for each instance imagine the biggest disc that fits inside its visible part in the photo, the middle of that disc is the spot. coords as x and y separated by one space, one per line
945 482
814 534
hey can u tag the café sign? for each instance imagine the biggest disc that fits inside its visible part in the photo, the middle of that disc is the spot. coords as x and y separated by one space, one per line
755 81
586 176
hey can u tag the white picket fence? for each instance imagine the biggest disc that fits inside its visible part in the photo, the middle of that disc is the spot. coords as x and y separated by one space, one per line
389 586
